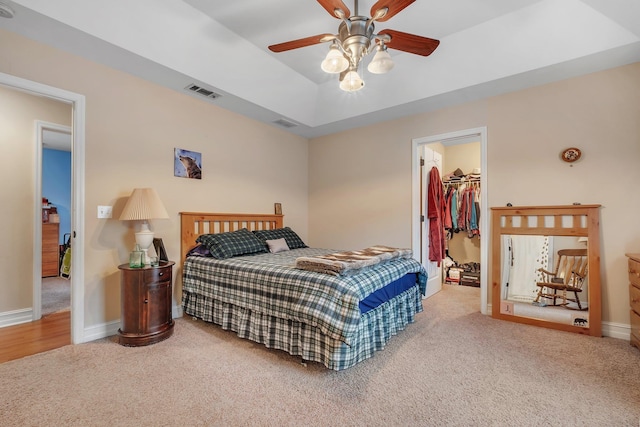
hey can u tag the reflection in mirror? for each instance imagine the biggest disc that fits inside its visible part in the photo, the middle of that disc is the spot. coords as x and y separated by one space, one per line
546 277
545 266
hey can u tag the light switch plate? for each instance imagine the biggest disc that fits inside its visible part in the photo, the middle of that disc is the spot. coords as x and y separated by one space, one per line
105 211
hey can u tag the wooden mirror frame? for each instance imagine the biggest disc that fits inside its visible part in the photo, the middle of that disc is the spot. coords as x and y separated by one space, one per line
533 221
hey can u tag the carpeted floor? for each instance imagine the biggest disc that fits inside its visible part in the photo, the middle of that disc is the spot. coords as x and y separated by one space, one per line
453 366
56 295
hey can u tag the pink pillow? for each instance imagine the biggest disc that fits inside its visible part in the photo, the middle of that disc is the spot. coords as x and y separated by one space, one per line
277 245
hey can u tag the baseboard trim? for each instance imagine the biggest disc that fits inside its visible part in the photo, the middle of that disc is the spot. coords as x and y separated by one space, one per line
108 329
616 330
176 311
103 330
16 317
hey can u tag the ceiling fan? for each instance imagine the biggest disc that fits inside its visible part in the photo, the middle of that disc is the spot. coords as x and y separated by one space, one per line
356 39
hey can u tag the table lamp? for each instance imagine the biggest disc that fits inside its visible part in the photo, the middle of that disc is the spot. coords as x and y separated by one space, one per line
144 204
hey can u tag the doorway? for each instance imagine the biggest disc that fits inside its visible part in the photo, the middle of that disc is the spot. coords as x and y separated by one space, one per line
448 140
52 291
77 103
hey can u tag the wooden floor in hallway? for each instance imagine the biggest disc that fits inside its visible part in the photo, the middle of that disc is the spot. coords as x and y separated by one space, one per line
48 333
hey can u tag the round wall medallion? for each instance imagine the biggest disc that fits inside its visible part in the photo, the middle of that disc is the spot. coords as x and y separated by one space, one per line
571 154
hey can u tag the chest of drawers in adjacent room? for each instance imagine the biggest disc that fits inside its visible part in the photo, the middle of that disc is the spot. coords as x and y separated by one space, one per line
634 297
146 301
50 249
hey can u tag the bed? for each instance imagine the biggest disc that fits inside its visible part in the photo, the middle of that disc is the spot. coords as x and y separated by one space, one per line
335 318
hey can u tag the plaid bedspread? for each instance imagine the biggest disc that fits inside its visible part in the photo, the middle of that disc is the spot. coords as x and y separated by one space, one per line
270 284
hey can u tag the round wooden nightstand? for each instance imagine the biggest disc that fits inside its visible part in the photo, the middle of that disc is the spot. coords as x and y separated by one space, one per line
146 300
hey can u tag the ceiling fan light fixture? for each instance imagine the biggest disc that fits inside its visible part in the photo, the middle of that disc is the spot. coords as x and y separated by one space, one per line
356 39
381 62
352 82
334 62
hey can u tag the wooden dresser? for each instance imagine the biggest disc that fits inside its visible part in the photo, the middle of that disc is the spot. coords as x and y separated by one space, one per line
146 300
634 297
50 249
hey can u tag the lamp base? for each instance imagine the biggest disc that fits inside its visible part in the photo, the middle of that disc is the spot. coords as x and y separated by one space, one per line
144 239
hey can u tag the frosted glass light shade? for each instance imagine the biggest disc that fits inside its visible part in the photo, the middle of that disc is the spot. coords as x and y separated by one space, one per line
334 62
352 82
381 62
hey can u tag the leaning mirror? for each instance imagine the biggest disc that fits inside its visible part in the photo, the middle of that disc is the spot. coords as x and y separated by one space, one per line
546 266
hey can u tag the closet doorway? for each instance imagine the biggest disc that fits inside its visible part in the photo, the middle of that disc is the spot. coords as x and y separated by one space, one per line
455 143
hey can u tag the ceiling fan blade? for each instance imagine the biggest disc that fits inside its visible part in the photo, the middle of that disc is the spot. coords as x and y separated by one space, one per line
331 5
295 44
394 7
410 42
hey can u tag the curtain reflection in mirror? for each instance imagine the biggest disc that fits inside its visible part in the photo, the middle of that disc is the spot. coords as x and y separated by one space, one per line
523 257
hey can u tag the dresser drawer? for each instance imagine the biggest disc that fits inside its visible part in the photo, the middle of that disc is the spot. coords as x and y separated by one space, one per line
158 274
634 298
634 272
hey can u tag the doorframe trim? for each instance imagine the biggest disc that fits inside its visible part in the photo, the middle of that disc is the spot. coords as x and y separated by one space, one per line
78 107
447 139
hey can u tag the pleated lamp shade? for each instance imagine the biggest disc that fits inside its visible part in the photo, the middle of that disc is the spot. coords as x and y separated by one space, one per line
144 203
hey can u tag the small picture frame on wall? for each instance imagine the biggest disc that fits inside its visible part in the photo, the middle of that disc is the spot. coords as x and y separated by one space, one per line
160 251
278 208
187 164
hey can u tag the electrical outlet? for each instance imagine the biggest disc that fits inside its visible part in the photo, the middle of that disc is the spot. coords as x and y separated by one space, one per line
506 307
105 211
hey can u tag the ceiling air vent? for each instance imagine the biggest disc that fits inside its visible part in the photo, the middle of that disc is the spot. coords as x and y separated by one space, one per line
285 123
207 93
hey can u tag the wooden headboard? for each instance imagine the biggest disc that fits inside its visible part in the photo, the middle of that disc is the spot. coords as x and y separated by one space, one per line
193 224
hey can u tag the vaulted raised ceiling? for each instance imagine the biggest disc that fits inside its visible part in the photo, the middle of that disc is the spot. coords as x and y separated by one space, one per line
487 47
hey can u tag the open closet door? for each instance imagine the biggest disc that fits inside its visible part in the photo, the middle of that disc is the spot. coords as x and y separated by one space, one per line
431 159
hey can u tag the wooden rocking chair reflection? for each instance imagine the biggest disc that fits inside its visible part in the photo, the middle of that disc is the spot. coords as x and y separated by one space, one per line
568 276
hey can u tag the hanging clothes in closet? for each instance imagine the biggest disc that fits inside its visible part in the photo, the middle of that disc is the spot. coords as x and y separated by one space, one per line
462 207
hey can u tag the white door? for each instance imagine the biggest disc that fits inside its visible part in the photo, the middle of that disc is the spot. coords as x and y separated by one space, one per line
431 159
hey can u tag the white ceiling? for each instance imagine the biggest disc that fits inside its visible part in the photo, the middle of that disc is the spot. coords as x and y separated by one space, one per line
55 140
487 47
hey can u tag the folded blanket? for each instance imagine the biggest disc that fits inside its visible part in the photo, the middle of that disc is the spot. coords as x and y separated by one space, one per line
347 262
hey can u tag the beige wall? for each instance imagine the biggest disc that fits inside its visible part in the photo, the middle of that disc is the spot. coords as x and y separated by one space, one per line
18 114
132 128
463 156
360 180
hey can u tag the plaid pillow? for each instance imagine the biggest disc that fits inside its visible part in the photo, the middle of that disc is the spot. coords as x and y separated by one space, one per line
293 240
233 243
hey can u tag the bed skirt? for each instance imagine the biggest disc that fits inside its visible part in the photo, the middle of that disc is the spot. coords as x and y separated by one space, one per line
375 328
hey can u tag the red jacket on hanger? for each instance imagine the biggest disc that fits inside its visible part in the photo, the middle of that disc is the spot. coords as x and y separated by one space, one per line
435 212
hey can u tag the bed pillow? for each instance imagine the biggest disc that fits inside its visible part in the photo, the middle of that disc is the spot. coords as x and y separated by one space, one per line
293 240
232 243
277 245
199 250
